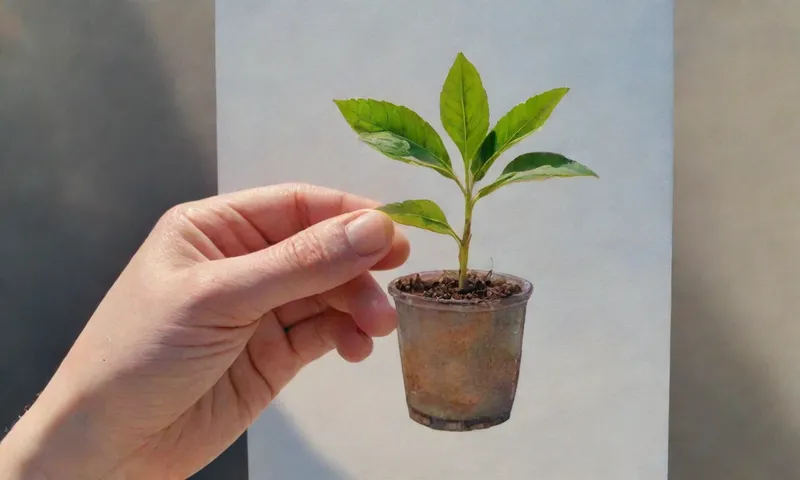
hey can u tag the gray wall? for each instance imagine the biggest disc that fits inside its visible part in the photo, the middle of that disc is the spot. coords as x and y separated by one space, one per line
593 394
107 118
735 393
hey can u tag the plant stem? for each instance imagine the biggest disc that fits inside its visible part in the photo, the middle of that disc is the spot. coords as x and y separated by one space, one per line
461 186
463 249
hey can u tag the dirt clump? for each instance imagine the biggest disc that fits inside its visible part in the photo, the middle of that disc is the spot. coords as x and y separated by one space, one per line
479 287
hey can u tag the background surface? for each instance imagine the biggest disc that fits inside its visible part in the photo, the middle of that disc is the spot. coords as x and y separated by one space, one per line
106 120
98 100
592 400
735 395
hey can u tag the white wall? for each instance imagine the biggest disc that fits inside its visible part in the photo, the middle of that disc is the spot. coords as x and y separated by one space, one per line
592 399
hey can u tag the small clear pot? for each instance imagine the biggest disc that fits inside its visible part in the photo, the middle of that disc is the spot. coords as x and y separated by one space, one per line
460 359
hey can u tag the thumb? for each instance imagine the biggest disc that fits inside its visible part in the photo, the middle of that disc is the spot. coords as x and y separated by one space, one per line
313 261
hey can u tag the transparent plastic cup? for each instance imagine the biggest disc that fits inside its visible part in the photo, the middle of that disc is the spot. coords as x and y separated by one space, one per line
460 359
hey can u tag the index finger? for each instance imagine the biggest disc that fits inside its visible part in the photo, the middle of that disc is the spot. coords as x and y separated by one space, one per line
279 211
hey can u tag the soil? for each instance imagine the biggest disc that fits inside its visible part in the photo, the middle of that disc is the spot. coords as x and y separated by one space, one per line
479 288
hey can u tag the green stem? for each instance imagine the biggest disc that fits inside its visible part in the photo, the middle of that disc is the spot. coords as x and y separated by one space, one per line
463 249
462 187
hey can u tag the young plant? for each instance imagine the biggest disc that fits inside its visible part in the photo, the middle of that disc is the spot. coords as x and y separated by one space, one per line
401 134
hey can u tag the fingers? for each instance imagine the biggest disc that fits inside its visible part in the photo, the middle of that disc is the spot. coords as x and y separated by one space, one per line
276 356
361 297
318 259
397 255
280 211
367 303
275 213
315 337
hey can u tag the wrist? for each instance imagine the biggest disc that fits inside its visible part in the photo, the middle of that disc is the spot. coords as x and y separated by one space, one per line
50 443
17 459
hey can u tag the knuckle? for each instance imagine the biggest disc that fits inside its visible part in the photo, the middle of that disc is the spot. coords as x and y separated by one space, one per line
307 251
306 188
301 207
296 190
300 187
175 215
185 216
322 338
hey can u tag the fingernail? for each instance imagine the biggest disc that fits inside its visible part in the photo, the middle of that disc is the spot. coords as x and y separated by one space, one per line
369 233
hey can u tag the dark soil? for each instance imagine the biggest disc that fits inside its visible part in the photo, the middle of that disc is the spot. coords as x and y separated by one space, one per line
480 288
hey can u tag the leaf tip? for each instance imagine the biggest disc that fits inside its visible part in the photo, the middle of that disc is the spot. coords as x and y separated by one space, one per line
341 102
462 59
590 172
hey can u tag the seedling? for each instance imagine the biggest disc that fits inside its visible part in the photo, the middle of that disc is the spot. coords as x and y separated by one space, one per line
401 134
460 334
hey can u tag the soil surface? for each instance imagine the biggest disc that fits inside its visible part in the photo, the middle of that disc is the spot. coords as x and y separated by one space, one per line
479 287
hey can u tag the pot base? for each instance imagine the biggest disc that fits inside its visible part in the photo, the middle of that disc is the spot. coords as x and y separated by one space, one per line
437 423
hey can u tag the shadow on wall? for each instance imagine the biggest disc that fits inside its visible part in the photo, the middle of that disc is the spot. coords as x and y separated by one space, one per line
93 150
278 451
725 423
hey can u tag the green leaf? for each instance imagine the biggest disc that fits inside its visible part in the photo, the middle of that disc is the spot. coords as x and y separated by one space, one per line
424 214
397 132
537 166
464 108
517 124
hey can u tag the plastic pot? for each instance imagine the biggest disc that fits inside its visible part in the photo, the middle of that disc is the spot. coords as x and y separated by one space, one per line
460 359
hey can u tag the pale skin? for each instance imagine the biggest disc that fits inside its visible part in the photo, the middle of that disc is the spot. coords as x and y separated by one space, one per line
223 304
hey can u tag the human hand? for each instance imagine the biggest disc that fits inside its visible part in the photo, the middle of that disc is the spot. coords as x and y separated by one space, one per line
226 300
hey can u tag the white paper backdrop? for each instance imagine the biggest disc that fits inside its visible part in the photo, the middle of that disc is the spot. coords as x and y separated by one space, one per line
592 402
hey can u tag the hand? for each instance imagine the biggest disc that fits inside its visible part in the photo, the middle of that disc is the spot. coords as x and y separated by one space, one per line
226 300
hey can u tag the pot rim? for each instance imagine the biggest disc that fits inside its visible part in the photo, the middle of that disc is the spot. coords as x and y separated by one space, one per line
502 304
